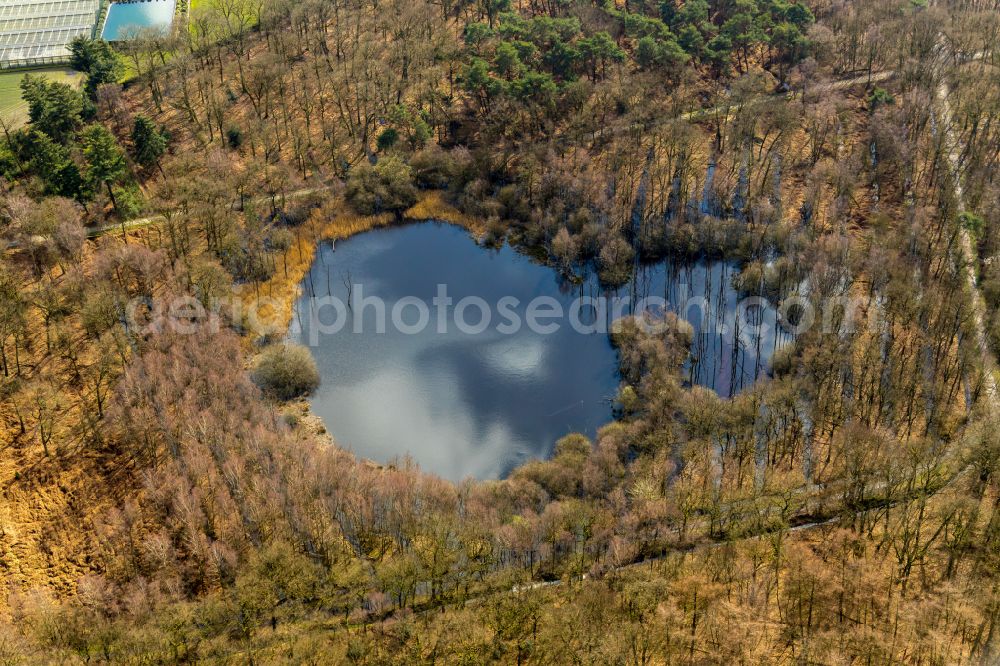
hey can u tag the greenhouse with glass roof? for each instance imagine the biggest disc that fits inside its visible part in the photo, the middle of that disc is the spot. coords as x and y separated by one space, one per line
38 32
35 33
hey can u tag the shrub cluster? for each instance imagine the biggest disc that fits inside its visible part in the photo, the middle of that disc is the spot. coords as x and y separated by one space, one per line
286 371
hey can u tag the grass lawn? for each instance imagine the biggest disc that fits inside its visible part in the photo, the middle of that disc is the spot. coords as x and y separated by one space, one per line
12 107
192 5
130 70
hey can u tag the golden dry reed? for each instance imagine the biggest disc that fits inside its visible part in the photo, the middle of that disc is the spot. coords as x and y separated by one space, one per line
275 298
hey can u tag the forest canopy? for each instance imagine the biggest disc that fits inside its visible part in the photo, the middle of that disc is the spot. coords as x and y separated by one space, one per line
168 497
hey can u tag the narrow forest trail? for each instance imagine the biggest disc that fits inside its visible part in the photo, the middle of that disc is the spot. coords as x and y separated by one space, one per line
712 543
840 84
695 548
968 258
142 222
699 114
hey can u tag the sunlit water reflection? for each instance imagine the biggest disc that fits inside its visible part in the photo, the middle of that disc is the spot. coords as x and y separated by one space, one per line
480 404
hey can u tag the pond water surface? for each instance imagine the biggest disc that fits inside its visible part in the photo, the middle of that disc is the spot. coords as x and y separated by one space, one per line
126 19
463 401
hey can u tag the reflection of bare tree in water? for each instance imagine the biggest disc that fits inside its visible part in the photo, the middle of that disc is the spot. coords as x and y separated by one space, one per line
349 286
736 354
732 343
731 346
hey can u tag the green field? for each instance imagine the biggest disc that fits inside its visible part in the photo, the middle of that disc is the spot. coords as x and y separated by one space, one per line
12 107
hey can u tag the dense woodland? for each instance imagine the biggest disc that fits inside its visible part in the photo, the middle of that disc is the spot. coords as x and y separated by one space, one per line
166 500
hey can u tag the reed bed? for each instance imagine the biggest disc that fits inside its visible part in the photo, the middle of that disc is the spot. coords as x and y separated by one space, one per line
275 298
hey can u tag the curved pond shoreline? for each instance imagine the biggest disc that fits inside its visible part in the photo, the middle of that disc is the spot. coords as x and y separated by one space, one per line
479 405
461 402
332 221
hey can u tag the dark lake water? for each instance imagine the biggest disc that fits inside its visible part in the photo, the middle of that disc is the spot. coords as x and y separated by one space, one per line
467 398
